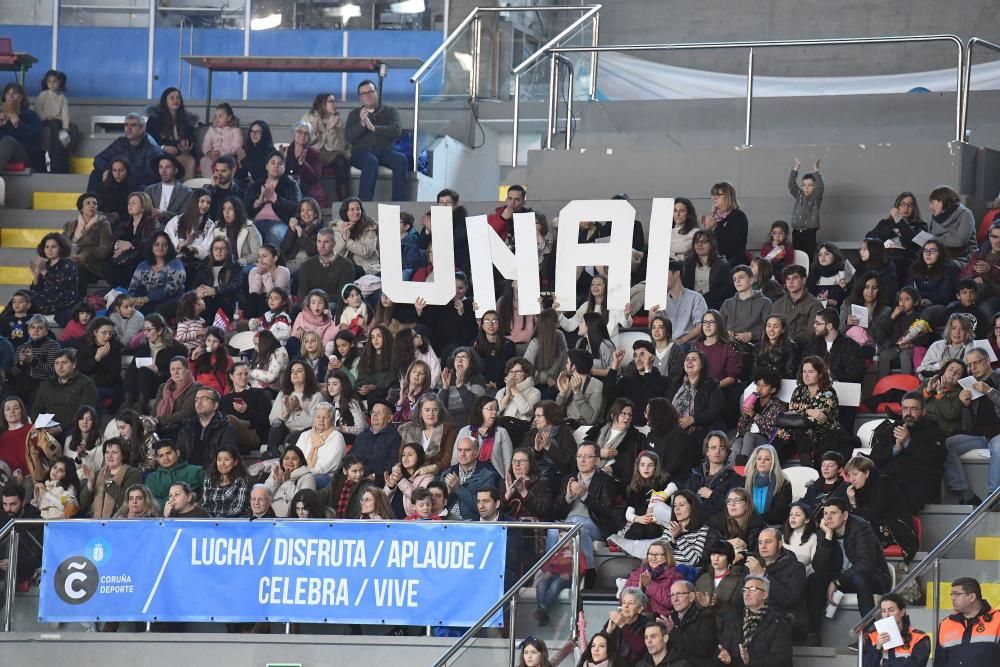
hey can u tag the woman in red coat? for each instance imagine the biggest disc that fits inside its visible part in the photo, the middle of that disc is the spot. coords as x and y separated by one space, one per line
655 577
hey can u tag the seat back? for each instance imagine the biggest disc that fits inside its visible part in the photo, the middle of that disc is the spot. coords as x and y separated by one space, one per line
800 477
6 46
802 259
867 432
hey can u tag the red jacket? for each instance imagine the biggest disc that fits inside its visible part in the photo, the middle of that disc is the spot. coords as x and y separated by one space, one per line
658 589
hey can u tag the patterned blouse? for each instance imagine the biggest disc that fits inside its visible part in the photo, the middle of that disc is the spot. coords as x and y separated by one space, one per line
160 285
57 289
824 401
230 501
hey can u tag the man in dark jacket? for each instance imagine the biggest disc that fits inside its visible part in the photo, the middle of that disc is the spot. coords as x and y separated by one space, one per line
756 635
29 544
786 573
208 431
643 383
378 445
911 453
842 355
713 479
452 324
372 130
223 186
327 271
170 469
586 497
466 478
135 146
848 558
66 392
692 639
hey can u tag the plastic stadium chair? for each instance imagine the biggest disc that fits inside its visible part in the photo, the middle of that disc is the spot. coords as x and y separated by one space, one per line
800 477
893 550
623 340
867 432
198 182
903 383
802 259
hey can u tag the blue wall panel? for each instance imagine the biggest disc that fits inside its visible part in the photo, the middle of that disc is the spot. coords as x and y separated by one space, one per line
111 62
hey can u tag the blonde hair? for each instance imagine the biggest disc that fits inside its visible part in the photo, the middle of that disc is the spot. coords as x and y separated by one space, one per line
728 192
777 476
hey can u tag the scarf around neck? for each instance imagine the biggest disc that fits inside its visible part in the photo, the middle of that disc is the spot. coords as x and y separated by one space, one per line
751 621
318 440
171 393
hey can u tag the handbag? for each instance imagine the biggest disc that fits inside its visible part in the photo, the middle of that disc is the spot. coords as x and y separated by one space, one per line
791 420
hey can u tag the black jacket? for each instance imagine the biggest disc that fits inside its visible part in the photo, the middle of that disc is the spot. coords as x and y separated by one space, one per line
920 463
672 448
718 530
788 589
257 412
769 646
599 500
708 405
226 292
846 362
637 388
884 507
105 373
720 284
199 450
720 485
694 638
783 359
628 451
285 206
863 550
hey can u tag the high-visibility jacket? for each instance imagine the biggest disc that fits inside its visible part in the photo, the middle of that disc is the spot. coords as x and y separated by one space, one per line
914 653
969 642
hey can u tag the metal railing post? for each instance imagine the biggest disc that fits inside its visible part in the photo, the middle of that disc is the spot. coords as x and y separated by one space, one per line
477 44
512 634
517 120
569 102
151 40
550 126
574 589
416 123
11 581
595 40
746 132
937 593
55 34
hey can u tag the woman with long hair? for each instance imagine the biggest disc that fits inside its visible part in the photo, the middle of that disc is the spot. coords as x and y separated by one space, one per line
193 230
519 328
763 279
83 444
131 236
534 653
236 227
348 416
104 493
299 243
597 302
826 279
306 504
936 278
394 317
896 232
595 340
874 257
725 363
415 383
940 391
728 223
219 280
493 348
114 189
668 355
410 472
706 271
547 352
268 274
345 356
172 127
159 345
226 492
292 410
816 400
139 504
527 496
329 140
495 445
99 356
687 533
158 281
58 496
647 480
14 432
461 384
210 362
601 652
739 525
254 153
767 484
777 350
868 293
375 372
268 362
618 440
290 476
375 505
800 535
432 427
356 236
685 223
699 402
56 283
667 439
915 650
90 238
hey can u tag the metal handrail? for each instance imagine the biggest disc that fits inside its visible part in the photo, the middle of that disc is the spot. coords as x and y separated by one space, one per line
967 79
933 558
572 533
751 45
474 20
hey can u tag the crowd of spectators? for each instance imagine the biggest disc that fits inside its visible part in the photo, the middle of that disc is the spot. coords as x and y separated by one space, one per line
355 407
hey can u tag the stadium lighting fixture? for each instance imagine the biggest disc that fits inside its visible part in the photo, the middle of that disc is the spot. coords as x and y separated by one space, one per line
408 7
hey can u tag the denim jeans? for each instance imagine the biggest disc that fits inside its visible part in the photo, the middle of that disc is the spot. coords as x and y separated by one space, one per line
368 161
271 231
954 473
588 535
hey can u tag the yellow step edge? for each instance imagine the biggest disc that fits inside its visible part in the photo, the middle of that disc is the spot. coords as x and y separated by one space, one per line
81 165
991 591
987 548
15 275
23 237
54 201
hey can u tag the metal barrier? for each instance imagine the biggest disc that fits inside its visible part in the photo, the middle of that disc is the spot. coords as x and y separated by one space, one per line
967 81
474 19
961 73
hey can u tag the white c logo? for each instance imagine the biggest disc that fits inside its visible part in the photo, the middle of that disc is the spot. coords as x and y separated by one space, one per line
68 587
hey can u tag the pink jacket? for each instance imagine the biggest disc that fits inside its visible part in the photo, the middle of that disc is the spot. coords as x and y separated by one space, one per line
658 589
326 327
226 140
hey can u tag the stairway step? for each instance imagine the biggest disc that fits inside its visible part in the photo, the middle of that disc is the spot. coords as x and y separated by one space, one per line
991 591
81 165
17 276
21 237
55 201
26 218
987 548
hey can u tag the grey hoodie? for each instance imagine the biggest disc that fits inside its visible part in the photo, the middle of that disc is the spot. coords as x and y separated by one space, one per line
747 314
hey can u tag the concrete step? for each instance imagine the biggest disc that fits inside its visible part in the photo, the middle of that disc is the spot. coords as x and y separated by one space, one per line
26 218
20 237
55 201
988 548
81 165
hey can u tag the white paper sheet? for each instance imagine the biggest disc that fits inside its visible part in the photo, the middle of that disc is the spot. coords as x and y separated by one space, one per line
861 313
889 627
143 362
968 382
922 238
984 344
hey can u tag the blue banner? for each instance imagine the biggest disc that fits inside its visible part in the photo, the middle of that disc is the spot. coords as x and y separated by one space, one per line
415 573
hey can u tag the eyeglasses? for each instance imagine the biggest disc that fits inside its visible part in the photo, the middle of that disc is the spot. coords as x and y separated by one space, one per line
708 323
678 595
930 251
753 589
519 461
735 501
655 555
490 320
366 93
701 242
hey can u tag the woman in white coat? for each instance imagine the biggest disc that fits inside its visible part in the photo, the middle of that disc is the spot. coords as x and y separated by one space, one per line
289 477
322 445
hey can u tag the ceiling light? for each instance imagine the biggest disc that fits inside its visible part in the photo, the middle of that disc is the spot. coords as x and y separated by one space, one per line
265 22
408 7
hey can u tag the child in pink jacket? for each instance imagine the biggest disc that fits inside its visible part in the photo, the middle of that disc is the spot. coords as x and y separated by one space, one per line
220 139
